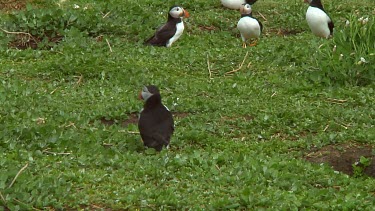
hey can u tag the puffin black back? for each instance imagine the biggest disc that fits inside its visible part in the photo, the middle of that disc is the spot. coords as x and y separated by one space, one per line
156 123
171 30
317 3
251 2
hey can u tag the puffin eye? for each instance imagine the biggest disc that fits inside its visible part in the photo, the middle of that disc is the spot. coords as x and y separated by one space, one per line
178 9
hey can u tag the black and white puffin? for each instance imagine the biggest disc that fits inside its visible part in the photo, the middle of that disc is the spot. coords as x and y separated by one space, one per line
318 20
236 4
248 26
167 34
155 123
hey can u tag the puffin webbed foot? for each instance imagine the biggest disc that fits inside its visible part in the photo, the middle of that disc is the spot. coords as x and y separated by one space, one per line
253 43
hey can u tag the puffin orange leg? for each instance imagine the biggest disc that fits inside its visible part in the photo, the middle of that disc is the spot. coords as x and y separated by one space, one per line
254 43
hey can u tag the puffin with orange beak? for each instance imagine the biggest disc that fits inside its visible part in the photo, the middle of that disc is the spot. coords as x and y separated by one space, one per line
155 123
167 34
248 26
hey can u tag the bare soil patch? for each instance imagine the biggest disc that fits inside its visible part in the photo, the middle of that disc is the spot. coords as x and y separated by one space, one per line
342 157
24 41
8 5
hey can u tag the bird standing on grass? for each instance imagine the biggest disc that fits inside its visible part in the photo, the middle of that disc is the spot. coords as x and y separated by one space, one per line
248 26
172 30
236 4
318 20
155 123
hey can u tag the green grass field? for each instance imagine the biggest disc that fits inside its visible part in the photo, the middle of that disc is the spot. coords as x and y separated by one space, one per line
245 118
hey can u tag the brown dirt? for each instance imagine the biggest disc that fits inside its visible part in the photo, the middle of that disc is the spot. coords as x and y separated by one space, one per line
133 119
8 5
342 157
24 41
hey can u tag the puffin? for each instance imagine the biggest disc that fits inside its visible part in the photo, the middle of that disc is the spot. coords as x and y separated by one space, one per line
248 26
236 4
318 20
155 122
167 34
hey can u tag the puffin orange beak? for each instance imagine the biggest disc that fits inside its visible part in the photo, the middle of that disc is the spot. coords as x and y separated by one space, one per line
186 14
140 96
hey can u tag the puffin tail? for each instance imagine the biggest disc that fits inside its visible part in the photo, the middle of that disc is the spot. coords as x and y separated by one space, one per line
154 41
156 145
331 26
149 41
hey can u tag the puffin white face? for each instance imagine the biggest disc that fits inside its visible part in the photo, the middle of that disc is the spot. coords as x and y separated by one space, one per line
178 12
145 94
245 9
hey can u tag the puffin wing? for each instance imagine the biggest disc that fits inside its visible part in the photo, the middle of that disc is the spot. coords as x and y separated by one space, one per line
157 133
165 129
330 25
162 35
260 24
154 140
251 2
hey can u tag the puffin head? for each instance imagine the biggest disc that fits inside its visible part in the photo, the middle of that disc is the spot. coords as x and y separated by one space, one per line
178 12
148 91
246 9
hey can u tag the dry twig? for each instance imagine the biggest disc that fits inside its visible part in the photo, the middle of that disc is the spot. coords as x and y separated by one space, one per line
262 16
326 128
18 174
8 32
240 67
109 45
107 144
56 153
24 33
106 15
130 132
71 124
336 100
53 91
343 125
209 68
2 198
79 80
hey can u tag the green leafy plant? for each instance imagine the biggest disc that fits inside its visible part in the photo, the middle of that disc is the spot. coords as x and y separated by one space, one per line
350 58
360 166
240 139
44 27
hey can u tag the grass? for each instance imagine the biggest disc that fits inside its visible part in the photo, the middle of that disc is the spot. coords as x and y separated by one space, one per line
240 143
